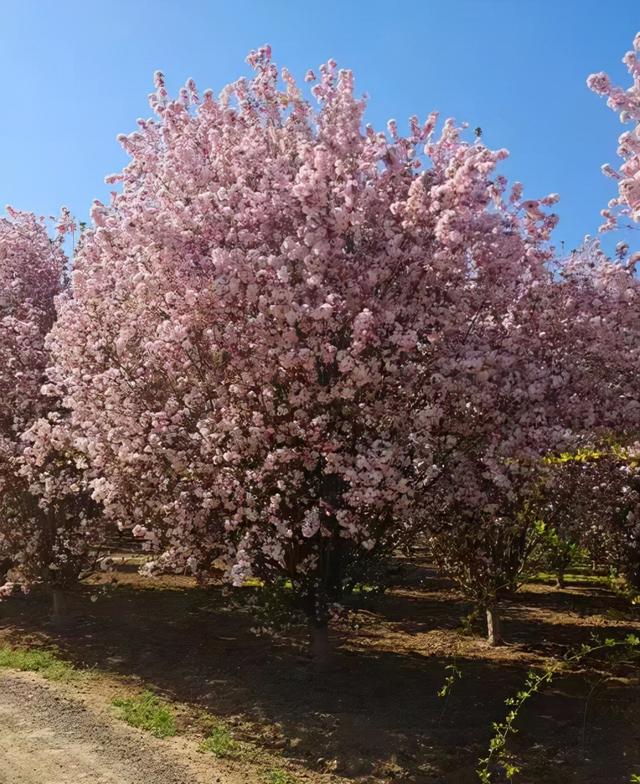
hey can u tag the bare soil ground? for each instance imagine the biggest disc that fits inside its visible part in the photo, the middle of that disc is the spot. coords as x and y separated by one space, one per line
375 717
51 736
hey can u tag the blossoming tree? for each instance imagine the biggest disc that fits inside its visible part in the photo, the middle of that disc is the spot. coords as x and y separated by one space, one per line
564 380
31 270
43 512
287 329
627 104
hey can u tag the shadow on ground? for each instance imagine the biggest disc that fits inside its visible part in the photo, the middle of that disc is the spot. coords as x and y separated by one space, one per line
375 716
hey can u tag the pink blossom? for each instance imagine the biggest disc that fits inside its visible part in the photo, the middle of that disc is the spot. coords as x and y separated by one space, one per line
285 344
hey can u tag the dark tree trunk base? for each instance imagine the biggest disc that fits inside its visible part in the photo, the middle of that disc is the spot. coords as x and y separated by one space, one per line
494 626
633 577
59 607
319 646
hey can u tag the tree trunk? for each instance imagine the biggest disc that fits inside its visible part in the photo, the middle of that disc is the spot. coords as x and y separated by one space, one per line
319 645
5 566
494 626
560 583
59 606
633 576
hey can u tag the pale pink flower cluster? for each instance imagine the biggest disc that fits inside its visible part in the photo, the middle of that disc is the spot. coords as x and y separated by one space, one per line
44 529
627 104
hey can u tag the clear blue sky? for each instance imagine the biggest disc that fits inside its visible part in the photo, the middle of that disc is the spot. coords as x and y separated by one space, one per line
75 74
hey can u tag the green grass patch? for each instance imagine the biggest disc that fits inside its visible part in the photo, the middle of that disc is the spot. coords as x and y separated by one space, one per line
221 743
579 578
148 712
256 582
278 776
360 588
44 662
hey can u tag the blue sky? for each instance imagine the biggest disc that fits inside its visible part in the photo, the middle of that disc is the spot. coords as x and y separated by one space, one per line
75 74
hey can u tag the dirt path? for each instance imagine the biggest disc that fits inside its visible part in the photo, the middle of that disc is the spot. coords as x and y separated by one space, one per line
50 737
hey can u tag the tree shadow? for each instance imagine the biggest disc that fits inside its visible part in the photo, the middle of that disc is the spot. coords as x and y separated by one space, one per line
376 715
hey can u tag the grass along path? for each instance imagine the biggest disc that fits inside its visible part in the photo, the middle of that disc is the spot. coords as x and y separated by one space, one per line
63 725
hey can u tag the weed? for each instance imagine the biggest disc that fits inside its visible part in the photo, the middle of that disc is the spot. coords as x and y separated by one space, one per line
498 754
278 776
455 673
469 622
148 712
44 662
221 743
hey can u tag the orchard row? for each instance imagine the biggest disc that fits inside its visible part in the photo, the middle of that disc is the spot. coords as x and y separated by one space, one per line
292 344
